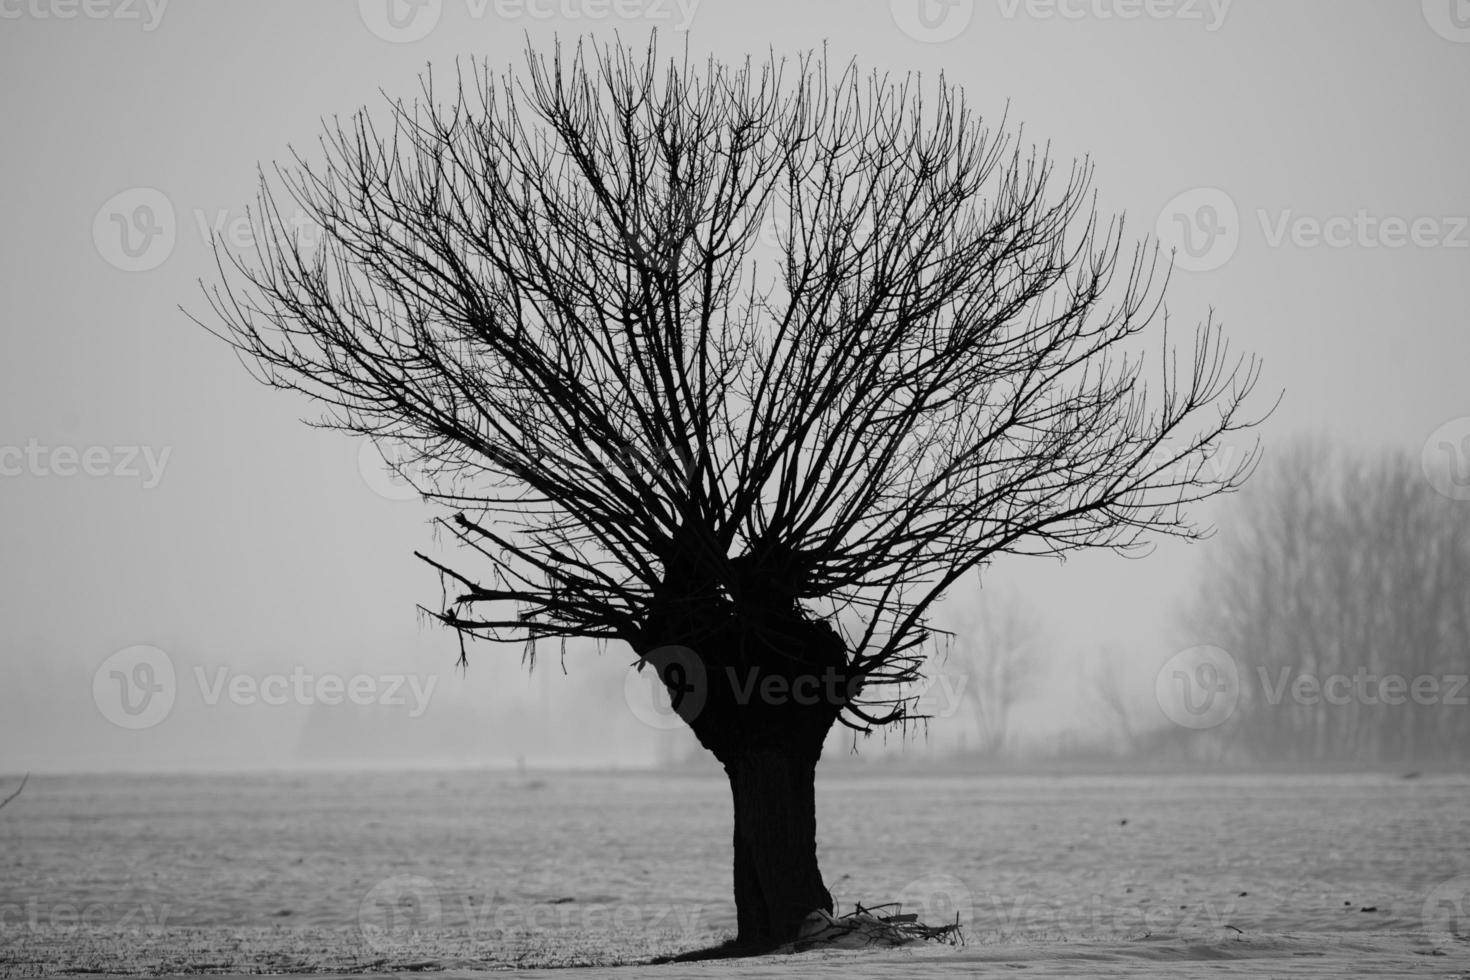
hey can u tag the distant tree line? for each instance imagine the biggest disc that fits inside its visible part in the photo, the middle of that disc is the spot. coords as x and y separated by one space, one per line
1342 591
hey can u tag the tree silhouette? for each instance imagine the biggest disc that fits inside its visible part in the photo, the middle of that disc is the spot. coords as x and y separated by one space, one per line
741 366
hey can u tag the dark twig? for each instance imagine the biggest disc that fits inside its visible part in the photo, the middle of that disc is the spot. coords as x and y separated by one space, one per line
23 780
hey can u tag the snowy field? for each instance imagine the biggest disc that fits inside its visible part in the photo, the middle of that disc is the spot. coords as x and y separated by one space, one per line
1181 875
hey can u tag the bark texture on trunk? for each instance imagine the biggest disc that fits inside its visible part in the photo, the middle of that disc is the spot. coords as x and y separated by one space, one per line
777 881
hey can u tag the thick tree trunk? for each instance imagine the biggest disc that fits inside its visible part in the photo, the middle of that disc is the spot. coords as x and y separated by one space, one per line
777 881
761 685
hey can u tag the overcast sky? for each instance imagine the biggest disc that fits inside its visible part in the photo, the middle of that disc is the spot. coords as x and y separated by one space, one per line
1308 157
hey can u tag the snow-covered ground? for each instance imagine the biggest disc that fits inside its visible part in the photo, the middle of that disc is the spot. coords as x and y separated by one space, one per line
1152 876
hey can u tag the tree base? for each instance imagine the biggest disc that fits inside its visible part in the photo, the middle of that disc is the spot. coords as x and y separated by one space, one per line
729 949
862 928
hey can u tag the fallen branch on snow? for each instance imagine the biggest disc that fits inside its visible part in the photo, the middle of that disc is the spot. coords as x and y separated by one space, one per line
863 927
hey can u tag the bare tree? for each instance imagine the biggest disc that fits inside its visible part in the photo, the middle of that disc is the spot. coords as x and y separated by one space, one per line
998 643
1349 576
1110 696
713 360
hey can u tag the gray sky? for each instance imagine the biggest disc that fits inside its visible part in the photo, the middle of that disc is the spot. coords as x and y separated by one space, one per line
1334 130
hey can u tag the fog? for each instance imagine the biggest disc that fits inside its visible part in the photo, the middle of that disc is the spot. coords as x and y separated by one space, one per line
154 496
